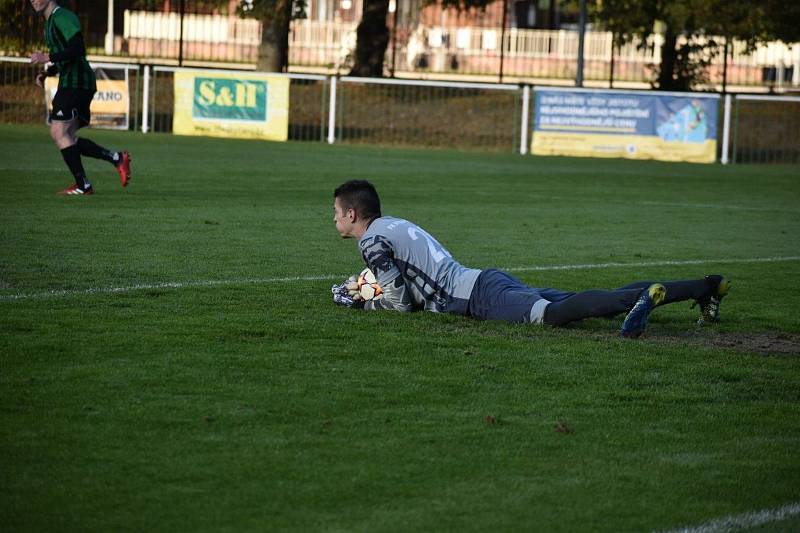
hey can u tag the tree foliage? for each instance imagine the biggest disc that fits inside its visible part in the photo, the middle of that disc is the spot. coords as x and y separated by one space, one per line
372 39
275 17
372 34
20 27
691 29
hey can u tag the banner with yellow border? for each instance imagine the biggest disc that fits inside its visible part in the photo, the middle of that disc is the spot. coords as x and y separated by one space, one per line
231 104
627 124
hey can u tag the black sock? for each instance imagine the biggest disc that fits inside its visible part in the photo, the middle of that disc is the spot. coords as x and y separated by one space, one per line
90 149
72 157
588 304
678 291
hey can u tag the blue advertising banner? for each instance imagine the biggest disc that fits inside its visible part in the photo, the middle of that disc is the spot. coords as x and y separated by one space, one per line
630 124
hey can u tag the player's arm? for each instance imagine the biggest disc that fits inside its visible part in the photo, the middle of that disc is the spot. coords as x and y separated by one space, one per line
52 70
68 25
74 49
395 297
378 256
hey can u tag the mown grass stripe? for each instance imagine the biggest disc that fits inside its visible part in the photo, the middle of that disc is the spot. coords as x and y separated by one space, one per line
322 277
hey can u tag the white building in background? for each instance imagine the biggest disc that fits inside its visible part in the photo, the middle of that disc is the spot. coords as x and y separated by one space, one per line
431 41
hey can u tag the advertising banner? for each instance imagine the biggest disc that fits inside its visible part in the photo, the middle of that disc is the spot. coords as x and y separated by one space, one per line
231 104
110 107
629 124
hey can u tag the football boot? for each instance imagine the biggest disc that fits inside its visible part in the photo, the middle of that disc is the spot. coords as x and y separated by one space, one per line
636 320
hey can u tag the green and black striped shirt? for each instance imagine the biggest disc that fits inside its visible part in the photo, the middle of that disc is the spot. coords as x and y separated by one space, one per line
61 26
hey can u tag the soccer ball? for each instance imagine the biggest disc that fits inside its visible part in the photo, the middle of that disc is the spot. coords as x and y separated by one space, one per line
368 286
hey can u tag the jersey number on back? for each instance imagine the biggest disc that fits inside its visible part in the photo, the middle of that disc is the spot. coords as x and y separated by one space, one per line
437 251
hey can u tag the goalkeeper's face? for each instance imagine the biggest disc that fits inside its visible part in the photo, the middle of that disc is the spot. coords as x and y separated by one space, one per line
343 218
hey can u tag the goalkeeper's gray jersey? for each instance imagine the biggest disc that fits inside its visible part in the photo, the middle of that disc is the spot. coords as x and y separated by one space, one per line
394 247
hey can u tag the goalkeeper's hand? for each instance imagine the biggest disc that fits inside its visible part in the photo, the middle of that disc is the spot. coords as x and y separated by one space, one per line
351 284
346 294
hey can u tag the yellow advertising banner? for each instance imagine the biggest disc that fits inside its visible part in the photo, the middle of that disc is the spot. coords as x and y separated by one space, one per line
629 147
111 102
231 104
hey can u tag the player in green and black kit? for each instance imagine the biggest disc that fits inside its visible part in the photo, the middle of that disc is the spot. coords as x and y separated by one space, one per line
76 88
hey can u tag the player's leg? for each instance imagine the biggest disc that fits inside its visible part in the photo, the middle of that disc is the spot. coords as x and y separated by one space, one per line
677 291
499 296
636 301
706 292
62 134
121 160
591 304
64 123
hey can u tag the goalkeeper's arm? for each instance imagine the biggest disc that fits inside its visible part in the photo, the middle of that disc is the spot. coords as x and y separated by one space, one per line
395 297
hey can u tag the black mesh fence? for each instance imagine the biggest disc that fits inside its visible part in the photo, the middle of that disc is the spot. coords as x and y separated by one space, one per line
765 130
22 102
428 115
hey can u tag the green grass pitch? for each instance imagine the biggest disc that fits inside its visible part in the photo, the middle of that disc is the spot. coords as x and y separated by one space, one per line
161 369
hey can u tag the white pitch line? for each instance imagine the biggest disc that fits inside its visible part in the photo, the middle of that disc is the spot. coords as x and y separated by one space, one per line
719 206
743 521
655 263
323 277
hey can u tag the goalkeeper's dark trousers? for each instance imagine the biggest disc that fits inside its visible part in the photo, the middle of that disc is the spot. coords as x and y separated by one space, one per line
601 303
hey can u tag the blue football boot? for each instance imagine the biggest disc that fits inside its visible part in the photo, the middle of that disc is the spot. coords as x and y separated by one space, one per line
637 317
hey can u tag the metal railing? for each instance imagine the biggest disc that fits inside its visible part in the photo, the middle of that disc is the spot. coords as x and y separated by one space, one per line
482 116
22 102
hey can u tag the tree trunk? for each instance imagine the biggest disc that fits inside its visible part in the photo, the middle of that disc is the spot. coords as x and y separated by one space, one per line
666 72
273 52
372 38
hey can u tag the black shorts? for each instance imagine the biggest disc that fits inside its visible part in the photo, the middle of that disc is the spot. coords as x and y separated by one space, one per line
72 103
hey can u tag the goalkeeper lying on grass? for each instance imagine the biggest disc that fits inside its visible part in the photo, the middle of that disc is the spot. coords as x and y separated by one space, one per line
415 272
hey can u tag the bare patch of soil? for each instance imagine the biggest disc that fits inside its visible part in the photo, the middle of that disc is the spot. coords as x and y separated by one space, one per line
762 343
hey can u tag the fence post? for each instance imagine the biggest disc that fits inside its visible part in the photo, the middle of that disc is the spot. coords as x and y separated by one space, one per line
109 42
145 97
523 134
611 67
581 39
503 38
726 129
180 38
332 112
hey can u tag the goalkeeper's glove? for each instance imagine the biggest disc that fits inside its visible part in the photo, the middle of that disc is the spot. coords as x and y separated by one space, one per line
351 284
346 294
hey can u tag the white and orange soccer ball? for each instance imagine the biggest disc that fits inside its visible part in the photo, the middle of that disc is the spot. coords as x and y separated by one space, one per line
368 286
365 286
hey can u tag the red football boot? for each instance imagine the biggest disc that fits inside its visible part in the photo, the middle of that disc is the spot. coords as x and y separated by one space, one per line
124 168
74 190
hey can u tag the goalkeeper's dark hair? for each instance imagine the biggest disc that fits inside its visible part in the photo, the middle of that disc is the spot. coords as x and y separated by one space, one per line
361 196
